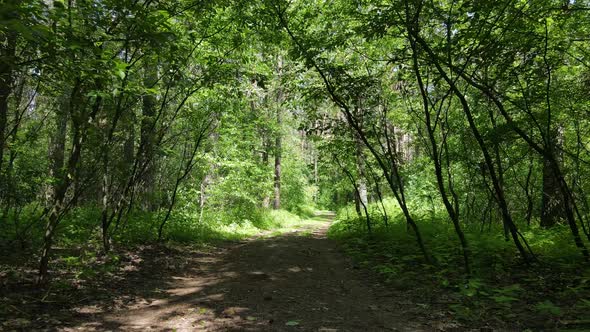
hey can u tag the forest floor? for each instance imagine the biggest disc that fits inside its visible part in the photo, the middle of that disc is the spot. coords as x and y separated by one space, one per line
289 280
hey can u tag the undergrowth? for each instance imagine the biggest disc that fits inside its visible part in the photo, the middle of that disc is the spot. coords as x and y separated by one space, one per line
501 291
78 248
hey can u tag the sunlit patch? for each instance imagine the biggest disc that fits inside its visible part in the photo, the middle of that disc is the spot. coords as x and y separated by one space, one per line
184 291
181 278
233 311
216 297
207 260
158 303
258 275
89 310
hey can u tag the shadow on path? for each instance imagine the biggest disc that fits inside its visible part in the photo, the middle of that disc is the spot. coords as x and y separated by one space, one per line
298 281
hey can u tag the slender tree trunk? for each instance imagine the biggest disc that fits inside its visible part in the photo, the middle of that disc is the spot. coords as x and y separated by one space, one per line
210 176
7 188
499 190
362 182
52 223
527 191
105 193
278 140
58 207
378 192
569 203
185 171
79 119
498 162
7 54
57 148
430 129
277 180
265 154
316 180
148 134
551 200
358 201
129 144
203 196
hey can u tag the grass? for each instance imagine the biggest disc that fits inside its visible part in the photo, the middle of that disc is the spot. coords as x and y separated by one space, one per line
549 295
78 246
182 228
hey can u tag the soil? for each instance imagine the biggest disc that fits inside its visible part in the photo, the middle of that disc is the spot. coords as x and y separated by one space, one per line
297 281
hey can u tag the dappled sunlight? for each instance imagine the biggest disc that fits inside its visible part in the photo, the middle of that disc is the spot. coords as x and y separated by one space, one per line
297 269
161 163
287 281
184 291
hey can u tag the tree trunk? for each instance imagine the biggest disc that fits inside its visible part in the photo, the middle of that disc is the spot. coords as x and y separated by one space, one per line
362 182
147 143
552 205
79 120
378 192
210 176
105 193
543 151
57 207
265 153
498 188
357 201
277 180
357 195
7 54
185 172
129 144
57 148
203 195
278 140
452 209
52 223
527 191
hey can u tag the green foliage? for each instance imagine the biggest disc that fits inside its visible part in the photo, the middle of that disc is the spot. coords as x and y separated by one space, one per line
548 308
128 122
500 284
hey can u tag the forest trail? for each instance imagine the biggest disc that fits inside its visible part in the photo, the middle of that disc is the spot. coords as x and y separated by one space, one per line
296 281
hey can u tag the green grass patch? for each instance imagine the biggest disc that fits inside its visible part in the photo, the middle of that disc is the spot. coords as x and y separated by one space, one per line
537 296
80 230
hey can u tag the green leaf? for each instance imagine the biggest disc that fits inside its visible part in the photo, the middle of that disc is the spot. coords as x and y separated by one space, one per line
292 323
548 307
504 299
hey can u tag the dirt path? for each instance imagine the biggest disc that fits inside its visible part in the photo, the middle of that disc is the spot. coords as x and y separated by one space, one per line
297 281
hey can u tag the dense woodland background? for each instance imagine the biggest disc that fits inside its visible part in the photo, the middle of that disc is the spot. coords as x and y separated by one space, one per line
452 136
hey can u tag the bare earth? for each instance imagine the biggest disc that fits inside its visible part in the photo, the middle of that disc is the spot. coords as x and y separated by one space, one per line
298 281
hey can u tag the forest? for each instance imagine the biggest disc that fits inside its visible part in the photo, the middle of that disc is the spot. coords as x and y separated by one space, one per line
268 165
